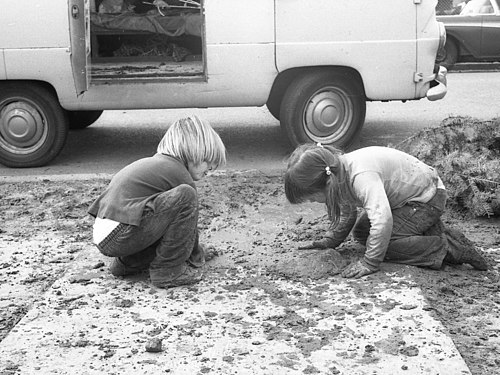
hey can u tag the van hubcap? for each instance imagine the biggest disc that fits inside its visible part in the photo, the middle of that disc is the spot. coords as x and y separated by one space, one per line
327 115
21 125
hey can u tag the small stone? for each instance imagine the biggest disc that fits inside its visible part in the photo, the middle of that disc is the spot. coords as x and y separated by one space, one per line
410 351
369 348
123 303
154 345
408 307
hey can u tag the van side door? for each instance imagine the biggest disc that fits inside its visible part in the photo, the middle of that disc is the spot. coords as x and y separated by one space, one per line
79 26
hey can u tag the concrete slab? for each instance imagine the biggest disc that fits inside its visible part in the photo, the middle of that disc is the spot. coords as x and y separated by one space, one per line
237 321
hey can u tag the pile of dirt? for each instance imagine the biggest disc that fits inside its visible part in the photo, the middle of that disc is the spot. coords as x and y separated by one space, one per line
466 153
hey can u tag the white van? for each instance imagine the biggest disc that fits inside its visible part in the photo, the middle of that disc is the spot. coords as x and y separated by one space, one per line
313 63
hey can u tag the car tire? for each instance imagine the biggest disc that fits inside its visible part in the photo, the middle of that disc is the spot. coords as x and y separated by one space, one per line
82 119
324 106
33 126
450 55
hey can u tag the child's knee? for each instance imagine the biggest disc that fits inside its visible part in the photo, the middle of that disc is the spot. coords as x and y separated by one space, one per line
186 191
180 194
183 197
186 194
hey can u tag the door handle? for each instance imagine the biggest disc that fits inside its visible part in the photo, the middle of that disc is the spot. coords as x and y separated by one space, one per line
75 11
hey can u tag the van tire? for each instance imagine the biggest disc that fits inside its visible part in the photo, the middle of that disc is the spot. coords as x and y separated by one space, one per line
33 126
325 106
82 119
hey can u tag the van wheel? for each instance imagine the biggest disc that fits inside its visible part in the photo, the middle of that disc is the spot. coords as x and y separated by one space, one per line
82 119
33 126
324 106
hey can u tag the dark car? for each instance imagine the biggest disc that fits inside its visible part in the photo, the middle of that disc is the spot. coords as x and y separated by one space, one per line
472 30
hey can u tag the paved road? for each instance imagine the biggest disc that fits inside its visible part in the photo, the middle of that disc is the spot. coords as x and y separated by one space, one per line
252 136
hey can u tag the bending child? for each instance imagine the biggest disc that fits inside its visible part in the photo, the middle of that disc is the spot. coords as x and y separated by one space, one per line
147 216
402 200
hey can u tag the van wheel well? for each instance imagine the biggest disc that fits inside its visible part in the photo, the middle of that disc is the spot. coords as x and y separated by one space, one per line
280 85
42 84
284 79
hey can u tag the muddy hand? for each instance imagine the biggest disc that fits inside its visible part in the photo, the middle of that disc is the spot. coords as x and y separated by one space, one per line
357 269
324 243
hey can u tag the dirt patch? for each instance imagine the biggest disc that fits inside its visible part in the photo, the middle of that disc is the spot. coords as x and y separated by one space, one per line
246 220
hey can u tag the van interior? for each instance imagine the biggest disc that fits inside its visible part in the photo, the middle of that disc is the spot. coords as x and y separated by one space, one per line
146 39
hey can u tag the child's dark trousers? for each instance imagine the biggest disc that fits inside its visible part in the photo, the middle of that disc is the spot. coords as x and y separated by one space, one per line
165 237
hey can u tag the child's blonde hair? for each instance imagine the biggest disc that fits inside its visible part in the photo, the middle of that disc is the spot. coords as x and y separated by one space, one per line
192 139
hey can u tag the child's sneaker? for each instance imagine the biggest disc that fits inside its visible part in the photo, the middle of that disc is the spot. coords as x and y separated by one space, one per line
165 278
119 268
197 257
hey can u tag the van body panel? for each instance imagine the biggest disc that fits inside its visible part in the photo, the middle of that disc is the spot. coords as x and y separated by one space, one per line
239 22
53 65
343 21
34 24
362 45
3 69
376 77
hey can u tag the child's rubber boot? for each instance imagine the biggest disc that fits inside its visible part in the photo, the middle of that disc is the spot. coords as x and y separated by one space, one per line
462 250
476 260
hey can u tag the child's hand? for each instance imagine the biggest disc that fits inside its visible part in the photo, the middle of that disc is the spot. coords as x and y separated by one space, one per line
358 269
324 243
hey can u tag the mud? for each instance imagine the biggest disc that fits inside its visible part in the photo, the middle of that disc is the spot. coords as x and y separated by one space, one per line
247 223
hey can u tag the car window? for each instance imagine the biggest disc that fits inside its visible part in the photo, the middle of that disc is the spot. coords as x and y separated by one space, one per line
476 7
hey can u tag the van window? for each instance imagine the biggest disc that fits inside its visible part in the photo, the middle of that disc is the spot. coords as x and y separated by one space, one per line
136 39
